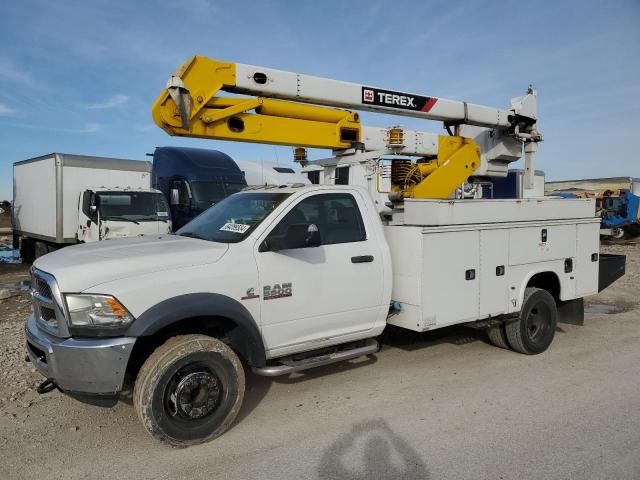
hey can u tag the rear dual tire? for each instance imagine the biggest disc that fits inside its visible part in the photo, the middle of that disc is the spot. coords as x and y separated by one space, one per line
498 336
533 331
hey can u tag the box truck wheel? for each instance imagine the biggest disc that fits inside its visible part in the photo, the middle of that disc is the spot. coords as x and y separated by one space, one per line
42 248
533 331
498 336
27 250
189 390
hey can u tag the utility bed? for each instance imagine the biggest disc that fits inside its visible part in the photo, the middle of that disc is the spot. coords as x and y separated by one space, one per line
465 260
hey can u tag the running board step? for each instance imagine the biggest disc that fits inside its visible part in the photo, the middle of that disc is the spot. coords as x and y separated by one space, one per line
370 346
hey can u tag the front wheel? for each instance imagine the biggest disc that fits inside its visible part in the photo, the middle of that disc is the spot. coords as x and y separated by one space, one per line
189 390
533 331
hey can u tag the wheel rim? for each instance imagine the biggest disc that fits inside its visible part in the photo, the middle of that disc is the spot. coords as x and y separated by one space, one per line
193 393
537 323
618 233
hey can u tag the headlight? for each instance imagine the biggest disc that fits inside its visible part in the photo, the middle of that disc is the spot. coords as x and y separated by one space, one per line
96 311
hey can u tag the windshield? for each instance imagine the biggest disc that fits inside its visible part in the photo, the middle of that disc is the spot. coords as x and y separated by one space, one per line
213 192
234 218
133 206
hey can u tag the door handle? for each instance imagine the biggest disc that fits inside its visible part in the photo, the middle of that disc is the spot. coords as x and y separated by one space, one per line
362 259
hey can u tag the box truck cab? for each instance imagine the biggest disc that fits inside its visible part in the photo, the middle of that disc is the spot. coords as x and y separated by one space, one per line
193 179
61 199
106 214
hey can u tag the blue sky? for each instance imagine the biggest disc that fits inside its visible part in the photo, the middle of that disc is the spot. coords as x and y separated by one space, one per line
80 76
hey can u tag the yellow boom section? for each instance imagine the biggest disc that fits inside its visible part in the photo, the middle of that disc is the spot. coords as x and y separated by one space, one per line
190 107
458 158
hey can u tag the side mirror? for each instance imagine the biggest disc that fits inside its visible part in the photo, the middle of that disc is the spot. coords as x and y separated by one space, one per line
175 197
299 235
93 210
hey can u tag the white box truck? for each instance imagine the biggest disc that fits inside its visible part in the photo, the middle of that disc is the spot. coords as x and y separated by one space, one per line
61 199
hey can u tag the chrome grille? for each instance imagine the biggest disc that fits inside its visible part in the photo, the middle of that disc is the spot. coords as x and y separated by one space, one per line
47 303
48 315
42 287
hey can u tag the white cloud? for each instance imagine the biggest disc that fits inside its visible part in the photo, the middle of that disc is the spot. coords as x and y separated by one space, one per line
86 128
10 71
4 110
112 102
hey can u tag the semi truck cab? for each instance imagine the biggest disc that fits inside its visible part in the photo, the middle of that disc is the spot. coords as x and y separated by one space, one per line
193 179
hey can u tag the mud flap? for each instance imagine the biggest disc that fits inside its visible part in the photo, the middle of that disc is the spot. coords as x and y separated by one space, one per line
611 268
571 312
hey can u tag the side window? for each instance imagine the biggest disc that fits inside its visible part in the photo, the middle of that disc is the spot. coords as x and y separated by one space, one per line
314 177
342 176
336 215
183 191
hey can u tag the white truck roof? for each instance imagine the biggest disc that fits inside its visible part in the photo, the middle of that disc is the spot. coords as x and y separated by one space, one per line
265 173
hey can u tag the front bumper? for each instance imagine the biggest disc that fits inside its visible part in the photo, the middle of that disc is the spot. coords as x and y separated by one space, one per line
79 365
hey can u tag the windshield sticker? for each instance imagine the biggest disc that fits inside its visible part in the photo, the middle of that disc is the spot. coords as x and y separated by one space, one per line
235 227
163 214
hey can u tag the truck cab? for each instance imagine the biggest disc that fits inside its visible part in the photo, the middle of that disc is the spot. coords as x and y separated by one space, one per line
193 179
277 271
105 214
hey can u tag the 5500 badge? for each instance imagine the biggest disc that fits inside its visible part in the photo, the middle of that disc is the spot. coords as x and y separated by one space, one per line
271 292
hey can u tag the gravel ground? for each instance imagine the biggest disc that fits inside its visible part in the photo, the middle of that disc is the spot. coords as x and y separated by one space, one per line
436 405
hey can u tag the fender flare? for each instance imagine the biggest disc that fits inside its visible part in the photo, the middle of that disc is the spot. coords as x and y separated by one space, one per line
245 337
533 273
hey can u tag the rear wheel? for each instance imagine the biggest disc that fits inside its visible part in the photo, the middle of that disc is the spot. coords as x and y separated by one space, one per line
27 250
619 233
498 336
42 248
189 390
533 331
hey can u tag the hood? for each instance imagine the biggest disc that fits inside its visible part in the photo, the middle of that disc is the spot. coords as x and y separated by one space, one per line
80 267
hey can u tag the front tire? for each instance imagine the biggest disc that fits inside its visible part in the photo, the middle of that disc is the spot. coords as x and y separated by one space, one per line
189 390
533 331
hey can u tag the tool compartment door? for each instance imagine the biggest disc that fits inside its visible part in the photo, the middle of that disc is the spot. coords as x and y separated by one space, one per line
541 243
587 256
450 288
494 257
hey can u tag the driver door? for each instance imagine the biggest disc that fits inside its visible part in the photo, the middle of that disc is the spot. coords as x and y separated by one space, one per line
88 224
316 296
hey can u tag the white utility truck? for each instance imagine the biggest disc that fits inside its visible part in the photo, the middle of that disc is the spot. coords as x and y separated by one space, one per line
286 278
61 199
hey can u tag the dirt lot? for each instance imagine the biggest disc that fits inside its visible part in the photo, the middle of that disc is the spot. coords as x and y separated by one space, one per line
439 405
